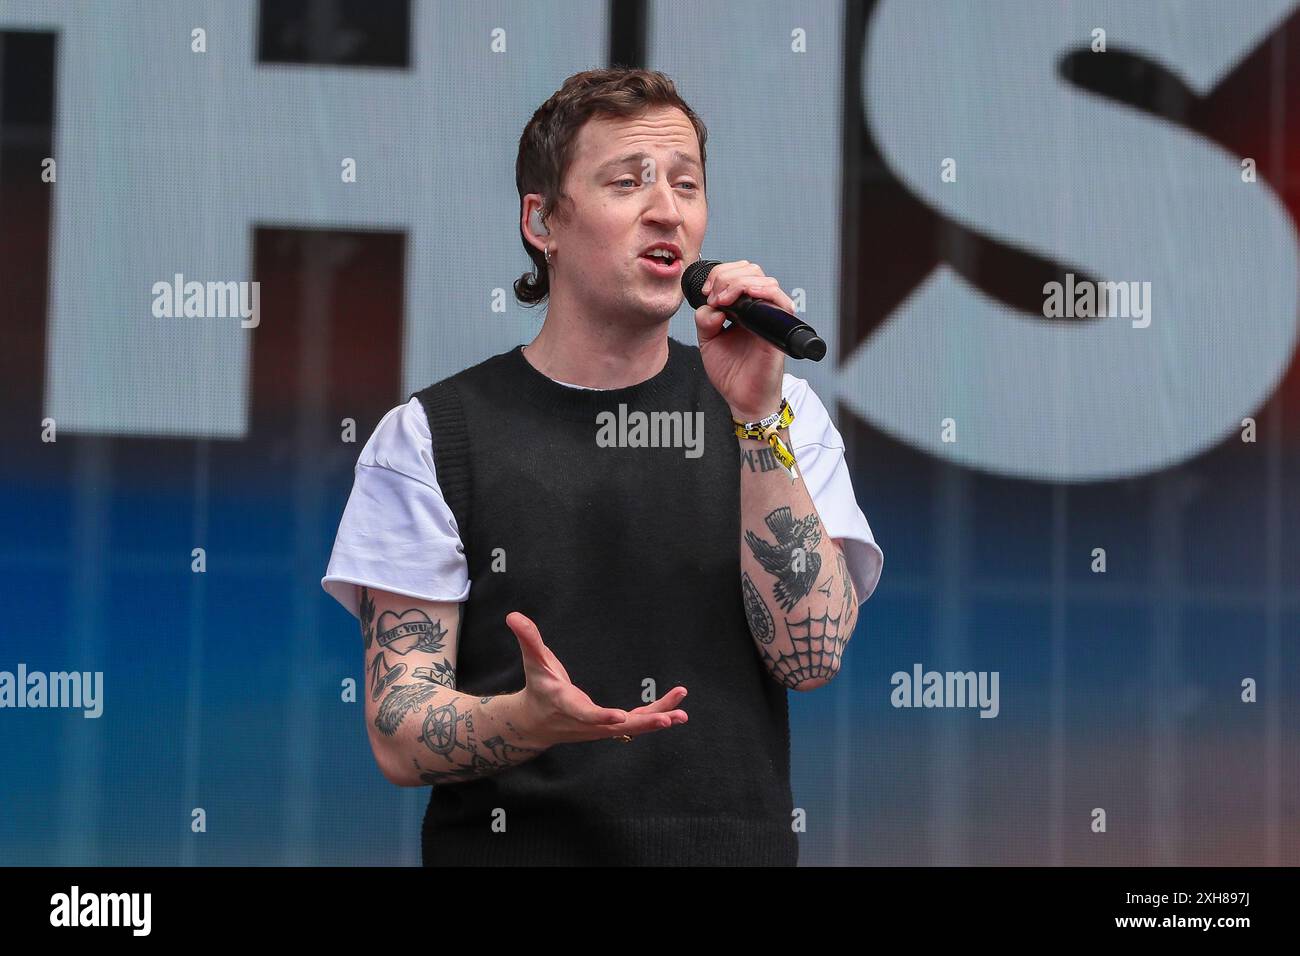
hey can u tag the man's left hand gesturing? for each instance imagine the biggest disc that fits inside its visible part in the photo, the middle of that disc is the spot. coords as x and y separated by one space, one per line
744 368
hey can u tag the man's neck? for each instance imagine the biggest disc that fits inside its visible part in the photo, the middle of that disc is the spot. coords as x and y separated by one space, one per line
579 351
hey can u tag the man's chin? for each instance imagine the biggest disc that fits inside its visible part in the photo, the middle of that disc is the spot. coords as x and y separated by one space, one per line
659 308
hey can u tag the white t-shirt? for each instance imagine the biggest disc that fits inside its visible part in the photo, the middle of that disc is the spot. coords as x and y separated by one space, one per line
398 534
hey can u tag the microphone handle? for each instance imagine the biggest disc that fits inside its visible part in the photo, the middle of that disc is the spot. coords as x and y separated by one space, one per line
793 337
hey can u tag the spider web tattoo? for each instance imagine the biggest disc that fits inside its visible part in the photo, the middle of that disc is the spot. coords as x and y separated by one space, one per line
818 645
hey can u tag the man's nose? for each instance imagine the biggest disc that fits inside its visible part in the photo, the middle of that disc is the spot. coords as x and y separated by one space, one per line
663 204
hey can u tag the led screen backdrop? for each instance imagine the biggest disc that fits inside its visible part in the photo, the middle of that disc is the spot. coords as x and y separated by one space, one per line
1052 247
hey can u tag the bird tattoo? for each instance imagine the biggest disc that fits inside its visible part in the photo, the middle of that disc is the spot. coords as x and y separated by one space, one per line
793 559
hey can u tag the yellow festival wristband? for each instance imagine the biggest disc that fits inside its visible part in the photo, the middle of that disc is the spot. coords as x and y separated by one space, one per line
766 430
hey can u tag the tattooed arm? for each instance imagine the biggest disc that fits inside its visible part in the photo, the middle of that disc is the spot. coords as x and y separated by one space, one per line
422 730
799 597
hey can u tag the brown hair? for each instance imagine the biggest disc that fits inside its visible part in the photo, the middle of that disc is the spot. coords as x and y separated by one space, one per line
546 146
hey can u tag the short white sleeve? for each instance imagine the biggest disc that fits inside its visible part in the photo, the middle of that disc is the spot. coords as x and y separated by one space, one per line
397 532
819 453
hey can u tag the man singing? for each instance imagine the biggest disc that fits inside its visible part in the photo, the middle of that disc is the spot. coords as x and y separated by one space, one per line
541 579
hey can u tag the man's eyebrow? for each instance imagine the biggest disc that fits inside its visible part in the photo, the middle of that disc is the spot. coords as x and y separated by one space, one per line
679 156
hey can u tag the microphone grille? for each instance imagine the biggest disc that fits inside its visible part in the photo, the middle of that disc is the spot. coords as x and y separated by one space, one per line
693 281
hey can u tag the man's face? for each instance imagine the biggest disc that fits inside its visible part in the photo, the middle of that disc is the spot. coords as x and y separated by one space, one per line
633 182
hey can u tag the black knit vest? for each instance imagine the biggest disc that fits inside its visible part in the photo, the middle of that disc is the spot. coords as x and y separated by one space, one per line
628 561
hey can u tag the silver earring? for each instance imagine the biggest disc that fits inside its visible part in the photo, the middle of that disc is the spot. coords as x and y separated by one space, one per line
548 255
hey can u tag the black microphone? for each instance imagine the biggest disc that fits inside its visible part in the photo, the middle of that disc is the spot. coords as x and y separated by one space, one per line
793 337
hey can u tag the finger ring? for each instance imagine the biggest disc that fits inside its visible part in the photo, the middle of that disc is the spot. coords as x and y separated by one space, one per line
624 738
